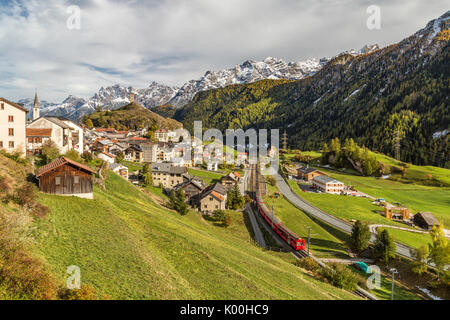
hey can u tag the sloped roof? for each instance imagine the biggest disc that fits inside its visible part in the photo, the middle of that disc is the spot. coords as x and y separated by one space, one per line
428 218
32 132
18 106
60 162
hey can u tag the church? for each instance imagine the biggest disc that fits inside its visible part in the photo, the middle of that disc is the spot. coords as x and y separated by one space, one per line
66 134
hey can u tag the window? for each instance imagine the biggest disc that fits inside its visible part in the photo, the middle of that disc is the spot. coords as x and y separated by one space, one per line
76 179
30 140
1 144
11 132
2 106
11 144
10 118
58 181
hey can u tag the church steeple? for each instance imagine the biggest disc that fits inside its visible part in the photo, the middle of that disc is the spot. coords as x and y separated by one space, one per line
36 107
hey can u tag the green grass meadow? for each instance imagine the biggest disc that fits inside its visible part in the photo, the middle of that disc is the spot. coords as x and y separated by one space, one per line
130 248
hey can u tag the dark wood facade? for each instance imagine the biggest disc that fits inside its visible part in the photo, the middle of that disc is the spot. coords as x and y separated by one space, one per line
66 180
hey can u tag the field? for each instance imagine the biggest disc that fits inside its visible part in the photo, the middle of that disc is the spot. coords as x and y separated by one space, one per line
130 248
354 208
208 177
416 197
344 207
325 242
412 239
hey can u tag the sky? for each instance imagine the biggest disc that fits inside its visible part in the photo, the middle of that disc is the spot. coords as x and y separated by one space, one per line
136 42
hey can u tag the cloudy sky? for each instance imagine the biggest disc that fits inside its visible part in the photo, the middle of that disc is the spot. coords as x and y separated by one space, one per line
135 42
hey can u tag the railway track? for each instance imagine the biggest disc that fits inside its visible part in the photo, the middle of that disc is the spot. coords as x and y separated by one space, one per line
254 184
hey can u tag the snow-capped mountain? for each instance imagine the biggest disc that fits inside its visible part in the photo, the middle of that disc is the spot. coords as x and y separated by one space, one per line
248 72
157 94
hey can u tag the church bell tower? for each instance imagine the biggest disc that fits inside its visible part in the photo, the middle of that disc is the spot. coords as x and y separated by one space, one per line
36 107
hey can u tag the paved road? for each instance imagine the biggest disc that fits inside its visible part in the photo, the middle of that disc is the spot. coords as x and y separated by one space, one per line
258 234
323 216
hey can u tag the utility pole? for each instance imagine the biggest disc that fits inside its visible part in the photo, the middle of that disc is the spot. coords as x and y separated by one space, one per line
309 238
285 140
394 272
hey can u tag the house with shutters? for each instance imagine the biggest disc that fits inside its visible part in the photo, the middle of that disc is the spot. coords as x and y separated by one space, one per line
12 126
213 198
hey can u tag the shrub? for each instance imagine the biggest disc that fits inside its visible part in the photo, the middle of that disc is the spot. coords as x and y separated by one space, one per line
227 221
5 187
219 215
73 155
26 195
86 292
87 156
50 151
15 156
340 276
308 264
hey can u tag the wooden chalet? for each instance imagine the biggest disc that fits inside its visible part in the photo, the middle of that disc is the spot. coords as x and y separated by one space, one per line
66 177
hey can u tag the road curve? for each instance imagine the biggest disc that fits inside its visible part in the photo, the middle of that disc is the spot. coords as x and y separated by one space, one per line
286 190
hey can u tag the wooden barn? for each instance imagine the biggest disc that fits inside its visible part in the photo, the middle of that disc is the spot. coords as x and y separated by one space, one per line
426 220
66 177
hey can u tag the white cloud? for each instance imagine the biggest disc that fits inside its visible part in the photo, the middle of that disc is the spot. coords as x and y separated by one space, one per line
137 42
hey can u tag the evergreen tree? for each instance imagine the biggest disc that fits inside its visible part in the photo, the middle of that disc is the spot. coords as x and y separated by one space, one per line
360 237
385 248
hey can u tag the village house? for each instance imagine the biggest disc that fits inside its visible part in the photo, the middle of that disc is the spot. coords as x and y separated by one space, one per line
36 138
61 133
117 148
119 169
192 188
230 179
212 166
150 152
12 126
164 155
66 134
168 175
108 157
213 198
308 174
162 135
134 153
328 185
66 177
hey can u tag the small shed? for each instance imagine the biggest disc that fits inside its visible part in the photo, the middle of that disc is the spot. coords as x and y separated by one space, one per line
426 220
66 177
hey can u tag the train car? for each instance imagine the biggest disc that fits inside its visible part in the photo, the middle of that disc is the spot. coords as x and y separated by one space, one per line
287 235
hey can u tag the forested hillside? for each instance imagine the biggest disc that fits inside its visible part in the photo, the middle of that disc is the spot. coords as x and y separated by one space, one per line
399 93
130 117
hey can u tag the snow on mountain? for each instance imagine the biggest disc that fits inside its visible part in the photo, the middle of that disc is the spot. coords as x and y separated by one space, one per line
157 94
248 72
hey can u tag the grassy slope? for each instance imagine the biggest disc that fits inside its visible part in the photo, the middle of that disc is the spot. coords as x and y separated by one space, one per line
323 243
416 197
347 208
130 248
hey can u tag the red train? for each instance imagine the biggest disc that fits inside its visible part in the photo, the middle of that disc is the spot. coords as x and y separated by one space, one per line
287 235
